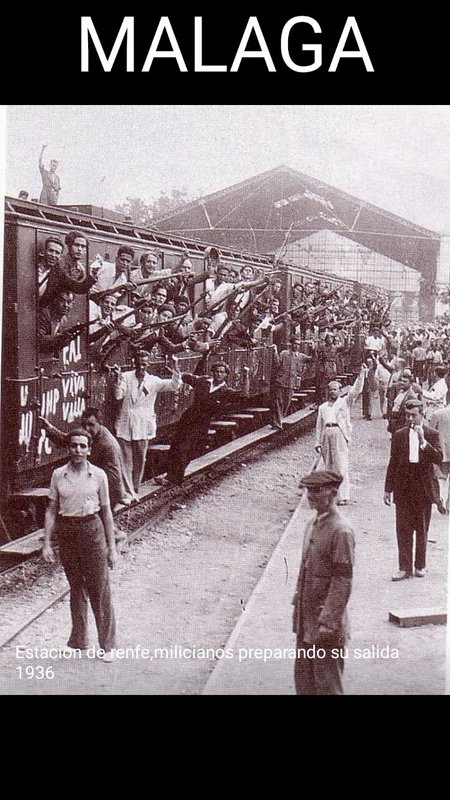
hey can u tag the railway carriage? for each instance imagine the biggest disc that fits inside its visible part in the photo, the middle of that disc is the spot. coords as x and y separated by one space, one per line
59 387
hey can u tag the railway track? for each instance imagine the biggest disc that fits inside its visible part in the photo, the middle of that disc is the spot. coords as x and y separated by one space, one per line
157 502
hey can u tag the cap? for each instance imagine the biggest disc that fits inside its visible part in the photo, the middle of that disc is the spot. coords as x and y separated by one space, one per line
296 340
320 478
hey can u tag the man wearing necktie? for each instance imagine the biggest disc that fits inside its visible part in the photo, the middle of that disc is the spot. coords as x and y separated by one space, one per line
410 477
323 590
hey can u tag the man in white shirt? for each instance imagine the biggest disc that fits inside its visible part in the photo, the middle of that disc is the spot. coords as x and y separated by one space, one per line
374 343
136 422
436 397
148 268
440 421
220 295
105 313
115 276
333 431
79 512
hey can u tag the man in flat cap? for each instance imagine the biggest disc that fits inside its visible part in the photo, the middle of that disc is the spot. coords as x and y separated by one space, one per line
410 477
323 590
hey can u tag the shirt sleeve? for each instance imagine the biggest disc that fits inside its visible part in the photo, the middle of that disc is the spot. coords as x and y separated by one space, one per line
342 556
120 389
168 384
53 493
103 493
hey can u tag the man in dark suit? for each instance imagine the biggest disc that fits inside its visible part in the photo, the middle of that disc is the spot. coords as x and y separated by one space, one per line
410 476
212 397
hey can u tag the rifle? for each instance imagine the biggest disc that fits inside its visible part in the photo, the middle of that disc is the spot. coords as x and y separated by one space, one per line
122 287
152 325
235 292
327 295
279 317
192 306
76 329
243 311
162 278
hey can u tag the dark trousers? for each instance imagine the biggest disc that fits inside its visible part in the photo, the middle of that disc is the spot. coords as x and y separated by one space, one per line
189 442
367 397
318 675
412 514
282 398
83 552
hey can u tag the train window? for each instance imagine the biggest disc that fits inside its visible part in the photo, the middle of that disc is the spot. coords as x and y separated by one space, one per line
62 283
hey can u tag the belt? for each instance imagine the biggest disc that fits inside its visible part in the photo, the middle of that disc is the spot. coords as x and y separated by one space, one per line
332 425
69 521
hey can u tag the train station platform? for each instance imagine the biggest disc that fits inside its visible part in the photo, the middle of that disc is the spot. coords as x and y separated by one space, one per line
398 633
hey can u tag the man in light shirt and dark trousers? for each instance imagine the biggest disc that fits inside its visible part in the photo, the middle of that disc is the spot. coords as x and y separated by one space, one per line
410 477
80 513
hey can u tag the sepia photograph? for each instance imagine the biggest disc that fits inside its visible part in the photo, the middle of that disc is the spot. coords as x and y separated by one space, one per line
225 406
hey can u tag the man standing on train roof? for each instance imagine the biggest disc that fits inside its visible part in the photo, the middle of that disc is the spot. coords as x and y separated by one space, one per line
51 185
79 513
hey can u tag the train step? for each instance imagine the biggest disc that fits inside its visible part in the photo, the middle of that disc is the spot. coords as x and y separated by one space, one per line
25 546
37 491
238 417
244 420
225 429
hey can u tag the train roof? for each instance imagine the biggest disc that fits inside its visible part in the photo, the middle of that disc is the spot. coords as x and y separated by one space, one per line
67 217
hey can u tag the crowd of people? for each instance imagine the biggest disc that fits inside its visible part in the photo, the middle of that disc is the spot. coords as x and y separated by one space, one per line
142 312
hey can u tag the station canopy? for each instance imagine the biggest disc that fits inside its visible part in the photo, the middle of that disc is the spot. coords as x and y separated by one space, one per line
271 213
